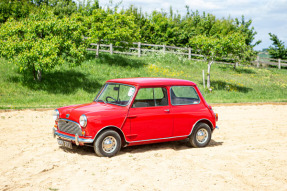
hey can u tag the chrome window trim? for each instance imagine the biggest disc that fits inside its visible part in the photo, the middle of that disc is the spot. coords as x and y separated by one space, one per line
165 87
104 87
183 104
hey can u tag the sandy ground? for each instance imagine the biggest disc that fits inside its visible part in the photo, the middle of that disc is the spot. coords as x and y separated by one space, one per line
248 152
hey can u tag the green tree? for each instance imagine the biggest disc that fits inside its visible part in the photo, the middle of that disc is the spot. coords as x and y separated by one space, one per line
219 47
278 50
63 8
87 7
14 8
112 27
244 27
42 41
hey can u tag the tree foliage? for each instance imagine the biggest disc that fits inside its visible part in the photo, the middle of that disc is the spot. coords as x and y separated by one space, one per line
171 28
37 35
218 47
112 27
14 8
42 41
244 27
278 50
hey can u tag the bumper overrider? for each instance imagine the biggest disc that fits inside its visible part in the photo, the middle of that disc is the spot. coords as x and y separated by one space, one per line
75 138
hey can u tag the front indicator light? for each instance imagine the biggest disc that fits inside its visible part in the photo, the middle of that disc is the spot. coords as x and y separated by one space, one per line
83 133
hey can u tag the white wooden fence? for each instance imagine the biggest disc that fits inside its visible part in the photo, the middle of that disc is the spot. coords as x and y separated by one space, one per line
270 61
140 49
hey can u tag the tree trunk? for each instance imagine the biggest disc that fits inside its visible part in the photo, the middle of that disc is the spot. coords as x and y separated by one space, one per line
34 72
37 74
98 49
208 73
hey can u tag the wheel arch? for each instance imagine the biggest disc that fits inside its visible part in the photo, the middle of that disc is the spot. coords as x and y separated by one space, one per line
206 121
116 129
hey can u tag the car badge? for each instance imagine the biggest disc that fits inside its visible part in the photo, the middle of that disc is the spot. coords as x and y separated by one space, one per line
67 115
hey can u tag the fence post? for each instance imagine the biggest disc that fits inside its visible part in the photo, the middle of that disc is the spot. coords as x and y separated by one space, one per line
257 61
203 80
189 53
139 49
279 63
111 48
163 46
97 51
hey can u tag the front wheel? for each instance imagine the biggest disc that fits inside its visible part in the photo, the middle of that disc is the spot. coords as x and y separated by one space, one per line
200 136
107 144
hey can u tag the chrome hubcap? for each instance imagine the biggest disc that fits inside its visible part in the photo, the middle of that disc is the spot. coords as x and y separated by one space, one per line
202 136
109 144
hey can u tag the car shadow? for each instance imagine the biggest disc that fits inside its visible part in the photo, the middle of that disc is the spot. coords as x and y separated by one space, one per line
82 150
175 145
214 143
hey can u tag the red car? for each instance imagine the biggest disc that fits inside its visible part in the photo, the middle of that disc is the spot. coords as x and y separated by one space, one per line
136 111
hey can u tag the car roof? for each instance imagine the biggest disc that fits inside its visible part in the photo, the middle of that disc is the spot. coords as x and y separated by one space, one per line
152 81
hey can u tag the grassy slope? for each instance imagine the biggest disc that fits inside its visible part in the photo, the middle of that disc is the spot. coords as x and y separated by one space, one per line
65 86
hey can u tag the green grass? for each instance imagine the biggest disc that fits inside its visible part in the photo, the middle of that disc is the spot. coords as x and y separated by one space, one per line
66 86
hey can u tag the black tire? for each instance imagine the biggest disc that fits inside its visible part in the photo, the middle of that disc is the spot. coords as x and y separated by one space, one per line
201 136
112 146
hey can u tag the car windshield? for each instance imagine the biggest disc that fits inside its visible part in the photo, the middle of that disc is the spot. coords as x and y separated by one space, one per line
118 94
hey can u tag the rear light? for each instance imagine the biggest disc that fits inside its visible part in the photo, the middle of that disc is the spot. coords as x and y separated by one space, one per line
216 116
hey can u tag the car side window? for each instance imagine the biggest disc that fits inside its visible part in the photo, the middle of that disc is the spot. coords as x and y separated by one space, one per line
183 95
151 97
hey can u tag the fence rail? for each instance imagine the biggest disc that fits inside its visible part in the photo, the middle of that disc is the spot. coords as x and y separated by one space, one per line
271 61
142 48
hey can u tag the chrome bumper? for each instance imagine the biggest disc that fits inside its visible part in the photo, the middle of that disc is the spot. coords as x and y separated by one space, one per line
77 139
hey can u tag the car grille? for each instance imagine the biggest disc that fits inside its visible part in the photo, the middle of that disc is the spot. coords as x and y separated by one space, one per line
70 127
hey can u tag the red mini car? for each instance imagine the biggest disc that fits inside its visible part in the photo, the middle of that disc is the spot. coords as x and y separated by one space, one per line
136 111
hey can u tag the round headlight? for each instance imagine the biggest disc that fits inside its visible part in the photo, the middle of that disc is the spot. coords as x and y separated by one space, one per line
56 114
83 120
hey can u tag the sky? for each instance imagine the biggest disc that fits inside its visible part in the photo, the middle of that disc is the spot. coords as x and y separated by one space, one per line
268 16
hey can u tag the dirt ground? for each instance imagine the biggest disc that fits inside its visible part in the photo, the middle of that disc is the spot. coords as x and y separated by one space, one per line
248 152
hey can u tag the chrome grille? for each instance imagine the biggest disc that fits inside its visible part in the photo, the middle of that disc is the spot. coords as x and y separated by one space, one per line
70 127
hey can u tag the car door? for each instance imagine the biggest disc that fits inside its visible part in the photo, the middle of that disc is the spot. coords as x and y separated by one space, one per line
186 109
149 115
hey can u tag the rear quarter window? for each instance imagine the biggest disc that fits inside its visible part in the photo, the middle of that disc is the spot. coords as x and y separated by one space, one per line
183 95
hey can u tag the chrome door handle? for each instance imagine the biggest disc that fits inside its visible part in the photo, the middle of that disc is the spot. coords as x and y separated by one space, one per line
166 110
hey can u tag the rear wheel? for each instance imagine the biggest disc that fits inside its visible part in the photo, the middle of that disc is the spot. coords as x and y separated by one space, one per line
200 136
107 144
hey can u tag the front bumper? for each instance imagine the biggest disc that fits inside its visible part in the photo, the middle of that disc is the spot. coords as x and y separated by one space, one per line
75 138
